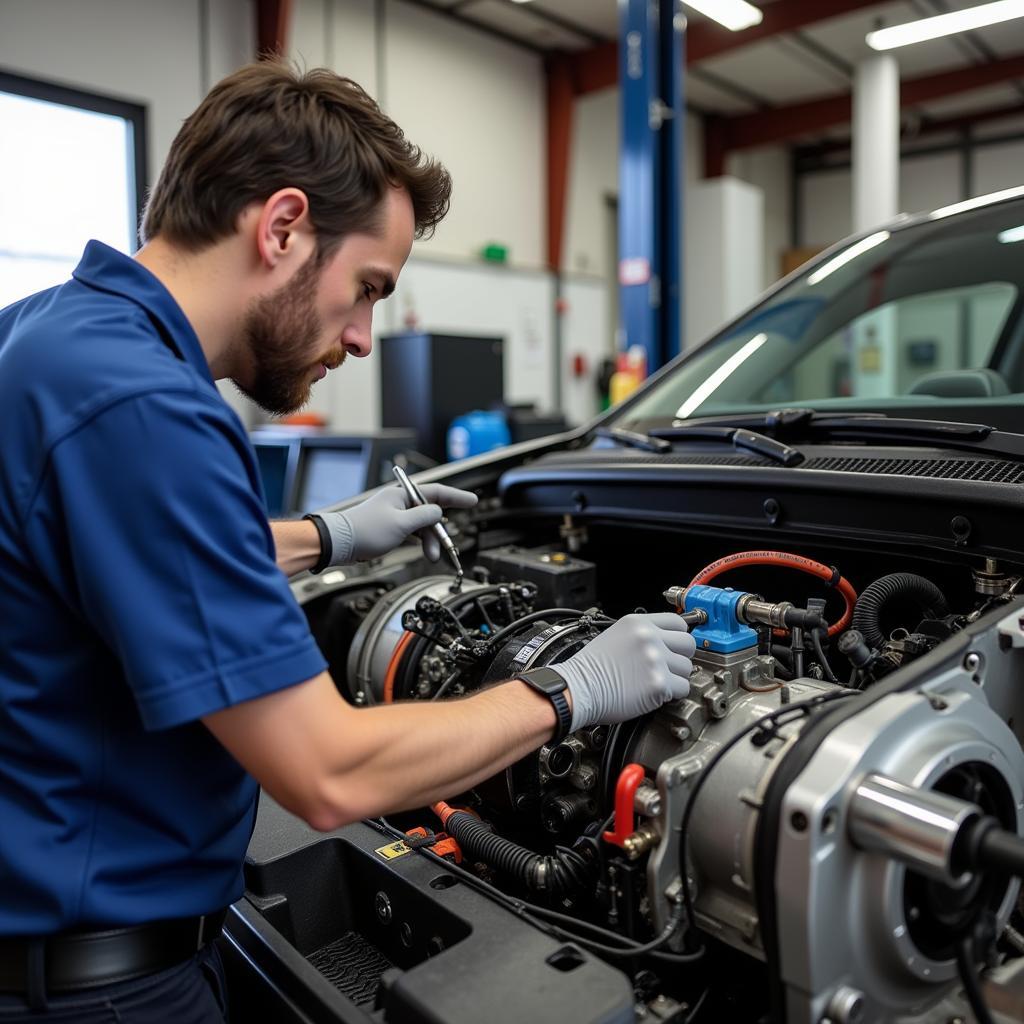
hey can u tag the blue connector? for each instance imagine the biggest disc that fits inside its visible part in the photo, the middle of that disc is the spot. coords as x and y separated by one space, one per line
723 632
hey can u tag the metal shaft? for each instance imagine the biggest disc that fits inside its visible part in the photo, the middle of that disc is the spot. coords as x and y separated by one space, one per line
918 827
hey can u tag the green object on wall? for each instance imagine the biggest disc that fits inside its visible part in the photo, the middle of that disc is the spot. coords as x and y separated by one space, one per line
495 252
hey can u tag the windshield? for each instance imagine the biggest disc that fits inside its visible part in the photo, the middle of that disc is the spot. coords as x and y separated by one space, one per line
921 320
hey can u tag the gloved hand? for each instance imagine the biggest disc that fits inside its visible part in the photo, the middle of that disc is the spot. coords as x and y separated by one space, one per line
384 520
633 667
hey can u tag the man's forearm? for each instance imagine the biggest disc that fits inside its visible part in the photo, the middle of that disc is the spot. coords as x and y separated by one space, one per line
332 763
416 753
297 544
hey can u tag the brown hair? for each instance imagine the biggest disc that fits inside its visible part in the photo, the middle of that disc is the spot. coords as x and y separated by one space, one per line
270 126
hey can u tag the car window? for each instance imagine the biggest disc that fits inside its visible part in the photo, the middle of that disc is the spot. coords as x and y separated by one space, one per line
925 314
899 347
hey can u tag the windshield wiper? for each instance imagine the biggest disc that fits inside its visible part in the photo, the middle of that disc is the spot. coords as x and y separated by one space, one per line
633 439
739 436
806 425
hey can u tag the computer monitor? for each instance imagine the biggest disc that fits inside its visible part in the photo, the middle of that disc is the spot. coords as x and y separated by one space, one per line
329 474
304 470
278 459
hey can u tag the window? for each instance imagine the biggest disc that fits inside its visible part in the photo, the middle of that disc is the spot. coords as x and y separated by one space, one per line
73 168
929 313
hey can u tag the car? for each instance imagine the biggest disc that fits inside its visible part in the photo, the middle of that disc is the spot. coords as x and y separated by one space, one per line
828 827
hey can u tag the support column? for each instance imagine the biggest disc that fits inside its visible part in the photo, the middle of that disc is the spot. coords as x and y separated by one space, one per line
876 142
876 181
651 177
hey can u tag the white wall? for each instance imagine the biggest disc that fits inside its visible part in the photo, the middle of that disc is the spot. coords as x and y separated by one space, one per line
477 104
769 170
724 238
589 238
997 167
472 101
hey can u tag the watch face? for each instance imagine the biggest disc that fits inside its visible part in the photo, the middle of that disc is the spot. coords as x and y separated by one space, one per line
545 679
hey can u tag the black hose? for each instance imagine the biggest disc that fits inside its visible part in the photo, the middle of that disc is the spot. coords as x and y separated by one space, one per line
525 620
984 845
558 874
822 660
969 978
867 615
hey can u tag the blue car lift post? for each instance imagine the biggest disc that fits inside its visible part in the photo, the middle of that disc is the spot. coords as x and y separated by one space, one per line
651 70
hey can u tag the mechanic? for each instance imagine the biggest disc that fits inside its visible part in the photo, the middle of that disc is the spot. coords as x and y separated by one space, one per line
155 668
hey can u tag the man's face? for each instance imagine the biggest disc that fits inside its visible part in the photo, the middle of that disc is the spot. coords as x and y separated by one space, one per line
310 324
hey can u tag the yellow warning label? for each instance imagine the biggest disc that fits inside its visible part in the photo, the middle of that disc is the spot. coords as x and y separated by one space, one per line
393 850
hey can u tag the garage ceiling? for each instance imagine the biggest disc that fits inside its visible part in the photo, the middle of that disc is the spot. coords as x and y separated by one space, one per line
814 62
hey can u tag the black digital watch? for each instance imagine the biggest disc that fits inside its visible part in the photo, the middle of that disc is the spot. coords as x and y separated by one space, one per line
548 682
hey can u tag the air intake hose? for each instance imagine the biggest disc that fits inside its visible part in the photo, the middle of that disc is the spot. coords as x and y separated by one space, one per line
557 875
867 615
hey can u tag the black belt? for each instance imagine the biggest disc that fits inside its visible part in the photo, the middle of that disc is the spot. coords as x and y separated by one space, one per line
82 960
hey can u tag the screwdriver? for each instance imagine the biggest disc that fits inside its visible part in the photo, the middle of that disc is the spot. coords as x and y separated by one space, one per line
415 497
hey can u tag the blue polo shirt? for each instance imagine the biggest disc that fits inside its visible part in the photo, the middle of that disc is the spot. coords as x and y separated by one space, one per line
138 592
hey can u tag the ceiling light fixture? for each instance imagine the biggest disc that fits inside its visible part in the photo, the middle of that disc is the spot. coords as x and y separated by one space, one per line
945 24
733 14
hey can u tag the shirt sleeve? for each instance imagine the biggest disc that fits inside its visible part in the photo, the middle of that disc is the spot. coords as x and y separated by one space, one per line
169 556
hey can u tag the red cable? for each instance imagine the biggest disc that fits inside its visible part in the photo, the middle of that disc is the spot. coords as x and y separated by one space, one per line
625 791
789 561
396 657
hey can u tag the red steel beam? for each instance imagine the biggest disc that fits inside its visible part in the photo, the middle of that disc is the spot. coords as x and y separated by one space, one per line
781 123
709 39
598 68
273 18
910 133
559 131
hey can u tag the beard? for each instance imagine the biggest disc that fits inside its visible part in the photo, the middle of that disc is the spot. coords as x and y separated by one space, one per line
280 330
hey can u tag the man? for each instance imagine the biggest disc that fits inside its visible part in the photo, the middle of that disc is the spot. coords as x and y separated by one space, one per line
154 667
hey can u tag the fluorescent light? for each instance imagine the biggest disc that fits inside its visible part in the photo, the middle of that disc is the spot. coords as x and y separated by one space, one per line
945 24
855 250
733 14
973 204
715 381
1012 235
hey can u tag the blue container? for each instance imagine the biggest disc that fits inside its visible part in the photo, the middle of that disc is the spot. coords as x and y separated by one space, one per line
477 432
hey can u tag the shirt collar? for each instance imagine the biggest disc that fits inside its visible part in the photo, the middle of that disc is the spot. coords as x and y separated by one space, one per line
108 270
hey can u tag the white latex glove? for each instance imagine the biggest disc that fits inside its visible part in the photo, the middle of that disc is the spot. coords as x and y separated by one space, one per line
384 520
636 665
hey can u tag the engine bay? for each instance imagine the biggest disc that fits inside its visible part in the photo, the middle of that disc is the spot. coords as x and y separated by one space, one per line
746 830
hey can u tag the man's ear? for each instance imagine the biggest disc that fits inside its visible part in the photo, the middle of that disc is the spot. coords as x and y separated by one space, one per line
284 231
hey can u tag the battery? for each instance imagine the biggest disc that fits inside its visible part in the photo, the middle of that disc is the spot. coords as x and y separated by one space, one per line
562 581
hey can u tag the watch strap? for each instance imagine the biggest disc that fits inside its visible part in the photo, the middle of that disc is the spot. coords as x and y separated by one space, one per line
326 546
552 685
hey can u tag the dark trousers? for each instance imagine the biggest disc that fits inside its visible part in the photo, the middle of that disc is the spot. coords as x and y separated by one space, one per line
193 992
